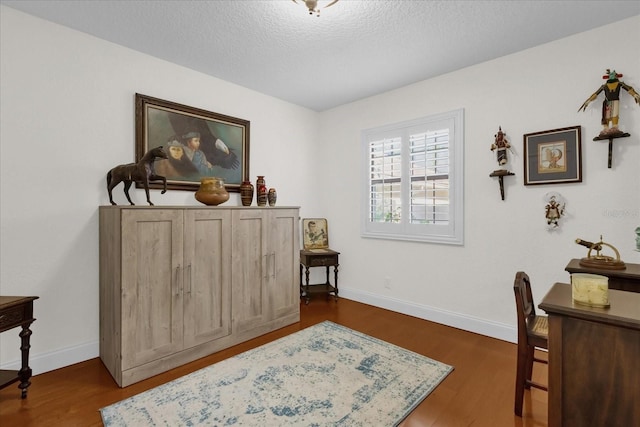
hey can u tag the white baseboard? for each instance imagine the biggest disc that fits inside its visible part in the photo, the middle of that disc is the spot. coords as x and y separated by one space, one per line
476 325
45 362
50 361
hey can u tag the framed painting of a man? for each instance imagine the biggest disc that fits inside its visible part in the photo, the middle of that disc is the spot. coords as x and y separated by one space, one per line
315 233
198 143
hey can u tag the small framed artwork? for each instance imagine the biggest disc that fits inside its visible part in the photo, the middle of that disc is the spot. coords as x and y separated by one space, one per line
553 156
315 233
198 143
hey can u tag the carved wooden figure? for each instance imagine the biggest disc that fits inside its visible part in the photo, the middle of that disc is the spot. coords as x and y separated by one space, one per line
141 172
501 145
554 210
611 108
610 105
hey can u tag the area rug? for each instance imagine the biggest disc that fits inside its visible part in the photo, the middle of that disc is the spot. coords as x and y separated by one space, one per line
324 375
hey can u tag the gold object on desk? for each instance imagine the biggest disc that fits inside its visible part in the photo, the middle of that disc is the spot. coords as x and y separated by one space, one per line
590 289
598 260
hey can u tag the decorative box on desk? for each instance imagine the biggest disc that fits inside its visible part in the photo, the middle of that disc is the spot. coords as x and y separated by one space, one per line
627 279
318 258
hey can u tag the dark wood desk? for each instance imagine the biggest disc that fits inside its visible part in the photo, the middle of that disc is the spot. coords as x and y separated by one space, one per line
14 312
594 356
318 258
624 280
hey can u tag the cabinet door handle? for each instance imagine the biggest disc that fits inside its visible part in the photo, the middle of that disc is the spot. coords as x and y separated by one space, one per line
177 286
266 267
189 282
273 265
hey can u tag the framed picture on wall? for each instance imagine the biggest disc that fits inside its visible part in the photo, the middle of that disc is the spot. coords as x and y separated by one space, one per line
553 156
315 233
198 143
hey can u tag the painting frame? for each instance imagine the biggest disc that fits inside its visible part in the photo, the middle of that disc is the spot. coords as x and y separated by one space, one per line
553 156
224 143
315 233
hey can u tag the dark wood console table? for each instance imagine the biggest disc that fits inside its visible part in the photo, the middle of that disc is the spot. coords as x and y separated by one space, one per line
14 312
318 258
624 280
593 360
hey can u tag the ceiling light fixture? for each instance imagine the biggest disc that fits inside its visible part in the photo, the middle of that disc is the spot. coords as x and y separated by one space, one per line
313 7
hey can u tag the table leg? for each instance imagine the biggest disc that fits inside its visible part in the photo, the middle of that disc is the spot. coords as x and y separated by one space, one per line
306 275
300 277
25 372
327 282
335 274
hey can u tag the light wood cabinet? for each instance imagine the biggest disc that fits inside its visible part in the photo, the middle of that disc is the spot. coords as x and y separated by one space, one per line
268 240
179 283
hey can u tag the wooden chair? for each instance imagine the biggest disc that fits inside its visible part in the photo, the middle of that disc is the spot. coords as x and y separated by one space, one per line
532 333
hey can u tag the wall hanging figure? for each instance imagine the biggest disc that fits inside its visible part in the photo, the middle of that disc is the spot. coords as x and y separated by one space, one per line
501 146
610 105
554 210
141 172
611 108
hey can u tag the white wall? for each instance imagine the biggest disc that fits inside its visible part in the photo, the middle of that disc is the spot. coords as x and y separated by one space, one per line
535 90
67 115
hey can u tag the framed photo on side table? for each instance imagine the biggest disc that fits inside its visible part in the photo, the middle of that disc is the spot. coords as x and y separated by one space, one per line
315 233
553 156
198 143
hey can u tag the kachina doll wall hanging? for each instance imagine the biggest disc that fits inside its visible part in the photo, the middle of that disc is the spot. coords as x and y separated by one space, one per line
501 146
554 209
611 107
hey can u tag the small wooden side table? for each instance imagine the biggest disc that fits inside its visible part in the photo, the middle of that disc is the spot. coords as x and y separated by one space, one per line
623 280
14 312
318 258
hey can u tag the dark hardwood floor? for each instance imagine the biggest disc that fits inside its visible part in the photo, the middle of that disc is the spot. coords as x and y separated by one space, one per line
479 392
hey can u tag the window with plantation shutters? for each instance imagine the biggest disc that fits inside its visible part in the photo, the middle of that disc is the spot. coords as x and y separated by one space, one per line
385 201
413 185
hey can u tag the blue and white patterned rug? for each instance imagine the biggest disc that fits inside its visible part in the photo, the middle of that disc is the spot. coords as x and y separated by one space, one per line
324 375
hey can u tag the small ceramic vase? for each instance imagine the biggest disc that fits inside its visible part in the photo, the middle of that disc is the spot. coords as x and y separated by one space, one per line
272 196
211 191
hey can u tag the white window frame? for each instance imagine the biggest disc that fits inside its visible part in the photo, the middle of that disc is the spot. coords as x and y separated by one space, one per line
451 233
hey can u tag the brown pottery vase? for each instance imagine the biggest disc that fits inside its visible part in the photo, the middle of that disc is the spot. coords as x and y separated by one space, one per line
246 193
261 191
211 191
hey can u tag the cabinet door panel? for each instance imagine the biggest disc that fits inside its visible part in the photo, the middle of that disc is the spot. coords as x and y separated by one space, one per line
151 285
249 269
283 288
207 276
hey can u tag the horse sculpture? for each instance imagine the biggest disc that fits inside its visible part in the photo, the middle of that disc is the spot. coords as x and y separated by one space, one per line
141 172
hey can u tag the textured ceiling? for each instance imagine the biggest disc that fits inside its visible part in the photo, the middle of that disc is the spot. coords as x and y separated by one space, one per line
355 49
